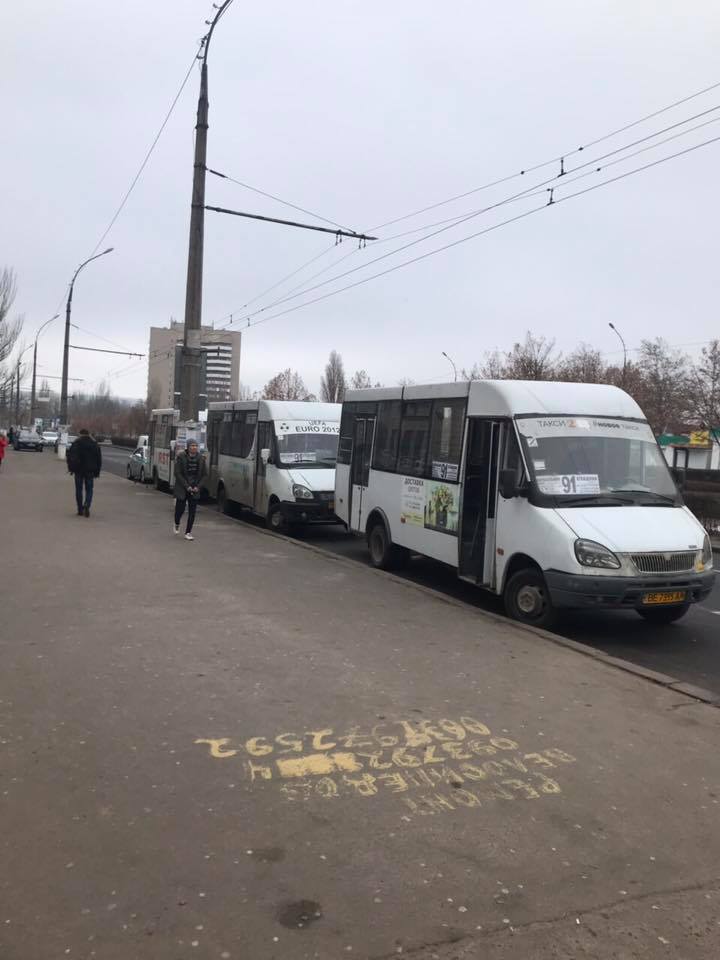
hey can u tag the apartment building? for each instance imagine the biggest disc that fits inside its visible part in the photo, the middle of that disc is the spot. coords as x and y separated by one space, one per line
222 364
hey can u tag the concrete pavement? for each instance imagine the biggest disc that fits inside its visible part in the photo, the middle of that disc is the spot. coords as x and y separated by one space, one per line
237 748
688 651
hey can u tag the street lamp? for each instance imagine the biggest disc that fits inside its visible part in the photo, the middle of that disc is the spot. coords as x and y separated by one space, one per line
32 392
17 384
66 348
615 329
453 365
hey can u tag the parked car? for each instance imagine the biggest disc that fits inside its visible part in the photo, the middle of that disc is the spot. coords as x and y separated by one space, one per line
28 440
138 465
49 438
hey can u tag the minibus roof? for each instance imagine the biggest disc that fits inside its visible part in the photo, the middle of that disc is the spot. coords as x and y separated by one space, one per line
511 398
283 409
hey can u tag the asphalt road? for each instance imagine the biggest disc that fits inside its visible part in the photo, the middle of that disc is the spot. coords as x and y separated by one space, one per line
688 650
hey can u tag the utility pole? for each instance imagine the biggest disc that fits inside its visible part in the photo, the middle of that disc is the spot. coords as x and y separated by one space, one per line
32 392
191 357
17 395
66 346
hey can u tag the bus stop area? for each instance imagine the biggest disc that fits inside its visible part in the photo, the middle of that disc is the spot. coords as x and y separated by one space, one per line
240 747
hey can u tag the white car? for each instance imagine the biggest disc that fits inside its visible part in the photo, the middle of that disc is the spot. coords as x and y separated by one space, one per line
49 438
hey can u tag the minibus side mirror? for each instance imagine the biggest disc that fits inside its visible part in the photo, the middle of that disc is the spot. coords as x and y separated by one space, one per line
509 484
265 455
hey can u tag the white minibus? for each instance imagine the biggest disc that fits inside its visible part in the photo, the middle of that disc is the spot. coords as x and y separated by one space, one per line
276 457
168 435
553 495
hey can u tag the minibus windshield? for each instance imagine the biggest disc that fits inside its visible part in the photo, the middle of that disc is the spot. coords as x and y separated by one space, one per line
314 447
582 459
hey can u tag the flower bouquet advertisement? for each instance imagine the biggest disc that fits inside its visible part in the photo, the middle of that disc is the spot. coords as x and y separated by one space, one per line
442 507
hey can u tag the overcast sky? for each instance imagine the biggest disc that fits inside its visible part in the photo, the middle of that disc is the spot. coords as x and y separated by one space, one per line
361 112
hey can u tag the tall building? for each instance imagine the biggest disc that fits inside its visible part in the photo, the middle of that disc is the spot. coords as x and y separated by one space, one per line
222 364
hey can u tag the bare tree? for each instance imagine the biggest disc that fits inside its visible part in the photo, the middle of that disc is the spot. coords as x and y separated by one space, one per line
583 365
333 385
286 385
360 380
704 390
533 359
664 388
491 368
9 329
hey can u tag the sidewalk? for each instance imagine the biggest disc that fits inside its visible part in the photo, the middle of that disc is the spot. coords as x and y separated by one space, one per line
239 748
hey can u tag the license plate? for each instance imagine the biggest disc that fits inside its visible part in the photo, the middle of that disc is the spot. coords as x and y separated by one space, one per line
675 596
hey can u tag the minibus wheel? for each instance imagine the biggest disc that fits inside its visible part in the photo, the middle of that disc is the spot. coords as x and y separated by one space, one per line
660 615
156 480
383 553
527 598
221 500
275 519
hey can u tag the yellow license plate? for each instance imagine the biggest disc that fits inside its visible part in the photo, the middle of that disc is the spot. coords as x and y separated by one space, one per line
676 596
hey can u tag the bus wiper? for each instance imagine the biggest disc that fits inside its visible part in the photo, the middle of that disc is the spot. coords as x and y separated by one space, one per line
651 493
610 499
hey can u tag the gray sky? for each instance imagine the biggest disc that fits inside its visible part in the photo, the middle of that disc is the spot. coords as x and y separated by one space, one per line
362 113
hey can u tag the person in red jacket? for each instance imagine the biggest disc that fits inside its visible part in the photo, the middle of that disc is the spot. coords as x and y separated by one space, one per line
3 444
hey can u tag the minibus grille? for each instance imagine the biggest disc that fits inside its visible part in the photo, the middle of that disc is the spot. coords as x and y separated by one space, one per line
664 562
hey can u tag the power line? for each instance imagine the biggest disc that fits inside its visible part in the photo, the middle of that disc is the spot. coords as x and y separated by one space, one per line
546 163
149 153
271 196
489 229
450 223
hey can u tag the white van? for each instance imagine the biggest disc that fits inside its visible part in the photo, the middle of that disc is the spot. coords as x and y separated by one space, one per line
552 495
276 457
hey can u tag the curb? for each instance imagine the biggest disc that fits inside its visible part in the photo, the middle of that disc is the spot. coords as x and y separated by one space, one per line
698 694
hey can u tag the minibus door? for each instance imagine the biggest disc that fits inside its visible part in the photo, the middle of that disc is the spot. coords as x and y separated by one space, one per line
264 439
360 469
479 505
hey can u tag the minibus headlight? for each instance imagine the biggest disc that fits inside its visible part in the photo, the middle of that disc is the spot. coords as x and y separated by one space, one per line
591 554
707 554
301 493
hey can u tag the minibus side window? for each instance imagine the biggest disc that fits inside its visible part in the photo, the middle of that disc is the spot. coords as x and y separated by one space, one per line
387 435
448 420
238 425
226 435
248 434
512 459
414 437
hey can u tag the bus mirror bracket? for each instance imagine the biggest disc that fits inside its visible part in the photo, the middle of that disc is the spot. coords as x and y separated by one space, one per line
265 455
509 484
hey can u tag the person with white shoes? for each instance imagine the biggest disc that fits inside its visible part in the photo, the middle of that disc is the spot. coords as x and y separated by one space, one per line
190 470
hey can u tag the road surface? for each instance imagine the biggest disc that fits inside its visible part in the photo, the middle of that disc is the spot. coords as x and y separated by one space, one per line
688 650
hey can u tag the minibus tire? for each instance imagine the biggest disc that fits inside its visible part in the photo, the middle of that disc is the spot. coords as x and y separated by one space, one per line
384 555
222 500
519 591
275 519
156 480
662 615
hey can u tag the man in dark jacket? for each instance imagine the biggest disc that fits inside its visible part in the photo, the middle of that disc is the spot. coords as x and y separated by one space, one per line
84 460
190 470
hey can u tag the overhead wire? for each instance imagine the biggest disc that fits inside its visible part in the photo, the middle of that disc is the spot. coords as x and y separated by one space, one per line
486 230
462 218
545 163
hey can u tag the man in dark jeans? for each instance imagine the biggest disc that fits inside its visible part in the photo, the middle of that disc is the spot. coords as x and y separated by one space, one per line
190 471
84 461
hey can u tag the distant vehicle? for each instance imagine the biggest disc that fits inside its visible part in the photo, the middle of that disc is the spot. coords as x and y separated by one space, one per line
49 438
70 440
138 465
276 457
551 495
28 440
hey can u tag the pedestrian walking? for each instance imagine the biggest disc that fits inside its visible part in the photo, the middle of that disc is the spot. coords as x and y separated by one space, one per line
190 470
84 461
3 444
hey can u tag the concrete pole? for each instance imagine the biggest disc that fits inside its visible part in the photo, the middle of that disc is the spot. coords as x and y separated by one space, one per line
191 353
191 359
